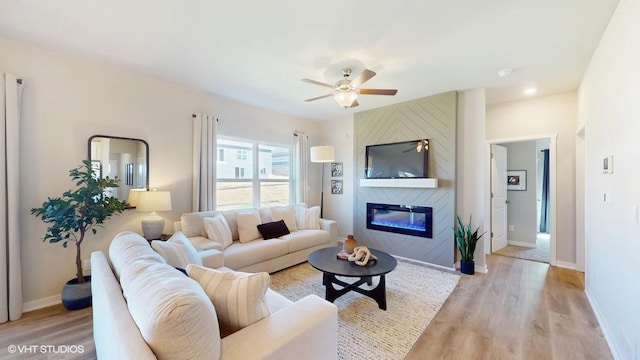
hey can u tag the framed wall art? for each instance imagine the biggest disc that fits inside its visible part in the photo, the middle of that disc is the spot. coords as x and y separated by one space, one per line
517 180
336 169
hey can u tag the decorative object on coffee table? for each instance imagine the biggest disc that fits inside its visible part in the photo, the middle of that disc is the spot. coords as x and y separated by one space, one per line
349 244
72 215
466 241
362 256
326 261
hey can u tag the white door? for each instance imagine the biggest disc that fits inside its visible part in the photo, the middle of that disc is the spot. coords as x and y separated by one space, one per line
498 197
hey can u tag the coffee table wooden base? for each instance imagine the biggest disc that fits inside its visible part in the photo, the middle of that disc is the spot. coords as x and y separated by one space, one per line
378 293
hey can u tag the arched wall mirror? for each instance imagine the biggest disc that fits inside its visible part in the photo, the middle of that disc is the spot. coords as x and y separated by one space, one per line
126 158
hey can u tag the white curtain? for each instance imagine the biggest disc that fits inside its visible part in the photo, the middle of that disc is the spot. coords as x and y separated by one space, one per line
204 162
10 276
300 160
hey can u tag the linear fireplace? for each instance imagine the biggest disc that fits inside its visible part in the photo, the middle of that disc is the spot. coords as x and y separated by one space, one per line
401 219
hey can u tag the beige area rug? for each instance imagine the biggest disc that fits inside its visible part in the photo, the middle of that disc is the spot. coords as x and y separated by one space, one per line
540 253
414 295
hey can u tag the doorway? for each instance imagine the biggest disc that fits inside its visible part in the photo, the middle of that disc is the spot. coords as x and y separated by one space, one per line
529 236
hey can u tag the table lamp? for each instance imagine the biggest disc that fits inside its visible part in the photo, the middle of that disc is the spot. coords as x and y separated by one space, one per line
153 201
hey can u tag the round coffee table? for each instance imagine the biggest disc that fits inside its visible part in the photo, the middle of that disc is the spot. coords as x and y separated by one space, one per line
326 260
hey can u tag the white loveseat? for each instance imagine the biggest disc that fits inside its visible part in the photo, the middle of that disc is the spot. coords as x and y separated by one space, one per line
144 308
263 255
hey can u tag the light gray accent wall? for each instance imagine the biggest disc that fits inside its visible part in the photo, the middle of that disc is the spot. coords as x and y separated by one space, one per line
433 118
521 212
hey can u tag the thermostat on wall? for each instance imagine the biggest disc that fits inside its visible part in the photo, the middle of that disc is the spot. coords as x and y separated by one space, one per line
607 165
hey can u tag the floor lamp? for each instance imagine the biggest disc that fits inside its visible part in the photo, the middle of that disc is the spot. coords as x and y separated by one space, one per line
322 154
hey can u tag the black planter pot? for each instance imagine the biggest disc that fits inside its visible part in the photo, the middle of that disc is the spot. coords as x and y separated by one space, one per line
467 267
77 296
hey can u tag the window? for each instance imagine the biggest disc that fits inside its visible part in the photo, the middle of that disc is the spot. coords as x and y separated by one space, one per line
249 180
221 155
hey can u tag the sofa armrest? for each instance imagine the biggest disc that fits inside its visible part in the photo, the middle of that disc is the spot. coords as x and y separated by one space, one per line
331 226
307 329
212 258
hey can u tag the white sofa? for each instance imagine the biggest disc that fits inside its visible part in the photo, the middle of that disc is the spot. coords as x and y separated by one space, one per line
144 308
259 255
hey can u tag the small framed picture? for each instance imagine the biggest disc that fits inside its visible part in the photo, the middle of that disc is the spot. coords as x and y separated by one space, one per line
336 169
517 180
336 187
607 165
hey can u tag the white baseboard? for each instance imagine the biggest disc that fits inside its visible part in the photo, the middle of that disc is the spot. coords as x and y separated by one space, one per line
566 265
426 264
41 303
606 331
520 243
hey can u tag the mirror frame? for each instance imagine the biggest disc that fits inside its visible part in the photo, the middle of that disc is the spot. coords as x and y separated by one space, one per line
122 138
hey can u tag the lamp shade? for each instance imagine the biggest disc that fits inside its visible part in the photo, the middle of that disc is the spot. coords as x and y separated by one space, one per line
149 201
345 98
133 196
323 154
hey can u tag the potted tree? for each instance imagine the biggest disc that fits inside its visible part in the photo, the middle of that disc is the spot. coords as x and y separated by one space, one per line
466 241
71 216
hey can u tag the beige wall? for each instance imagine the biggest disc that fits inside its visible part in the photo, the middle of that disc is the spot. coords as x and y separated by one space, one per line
608 108
66 99
543 116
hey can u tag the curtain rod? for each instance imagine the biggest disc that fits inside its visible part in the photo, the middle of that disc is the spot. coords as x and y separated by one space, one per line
20 81
194 115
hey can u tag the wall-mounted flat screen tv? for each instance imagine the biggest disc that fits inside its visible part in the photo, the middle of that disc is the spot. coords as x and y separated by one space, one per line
407 159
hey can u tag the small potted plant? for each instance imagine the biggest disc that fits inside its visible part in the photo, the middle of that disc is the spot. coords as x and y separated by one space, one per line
71 216
466 241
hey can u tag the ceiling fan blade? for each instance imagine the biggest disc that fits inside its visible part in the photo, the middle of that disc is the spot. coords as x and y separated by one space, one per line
354 104
319 97
318 83
378 91
364 76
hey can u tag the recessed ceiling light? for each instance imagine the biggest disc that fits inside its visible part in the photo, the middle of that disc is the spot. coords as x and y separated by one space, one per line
505 72
530 91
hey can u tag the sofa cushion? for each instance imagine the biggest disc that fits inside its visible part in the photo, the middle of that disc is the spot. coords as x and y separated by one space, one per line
230 215
308 219
286 213
127 247
218 230
304 239
238 297
174 315
248 225
202 243
265 215
239 255
192 225
273 229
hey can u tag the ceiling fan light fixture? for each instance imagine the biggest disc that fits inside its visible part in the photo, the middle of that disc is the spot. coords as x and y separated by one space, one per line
346 98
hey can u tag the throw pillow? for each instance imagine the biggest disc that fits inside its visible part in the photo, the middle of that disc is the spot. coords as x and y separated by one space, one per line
308 218
273 229
181 255
174 254
248 225
239 297
286 213
218 230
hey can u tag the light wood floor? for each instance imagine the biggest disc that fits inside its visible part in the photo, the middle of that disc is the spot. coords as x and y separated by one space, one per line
519 310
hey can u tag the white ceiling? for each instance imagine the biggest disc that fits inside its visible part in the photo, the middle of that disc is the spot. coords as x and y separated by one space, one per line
256 52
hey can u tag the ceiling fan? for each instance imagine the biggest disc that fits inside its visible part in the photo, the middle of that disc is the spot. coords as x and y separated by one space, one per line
346 91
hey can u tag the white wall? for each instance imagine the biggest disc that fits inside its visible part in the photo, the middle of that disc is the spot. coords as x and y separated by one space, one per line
521 211
470 164
66 99
540 117
339 134
608 107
